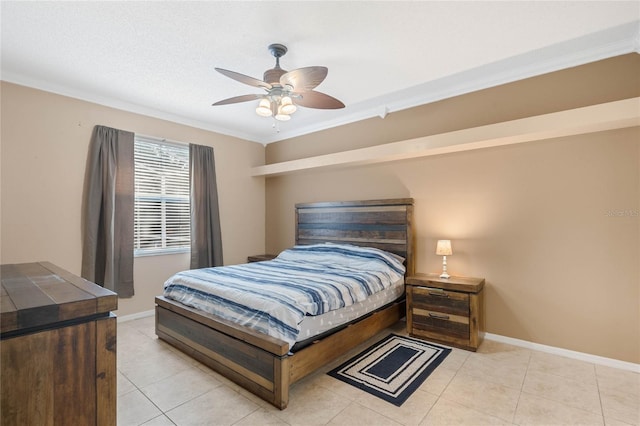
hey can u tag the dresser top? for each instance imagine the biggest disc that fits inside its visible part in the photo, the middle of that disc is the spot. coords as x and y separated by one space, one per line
41 294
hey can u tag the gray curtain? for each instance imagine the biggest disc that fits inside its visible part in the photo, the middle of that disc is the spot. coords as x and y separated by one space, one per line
206 240
107 252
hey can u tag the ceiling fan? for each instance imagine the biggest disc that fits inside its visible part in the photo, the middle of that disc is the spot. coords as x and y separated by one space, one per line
284 89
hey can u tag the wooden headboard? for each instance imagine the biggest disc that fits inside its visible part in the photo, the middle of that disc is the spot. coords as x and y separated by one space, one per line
384 224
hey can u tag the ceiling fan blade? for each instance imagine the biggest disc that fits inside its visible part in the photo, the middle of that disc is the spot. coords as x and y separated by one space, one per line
313 99
236 99
244 78
304 79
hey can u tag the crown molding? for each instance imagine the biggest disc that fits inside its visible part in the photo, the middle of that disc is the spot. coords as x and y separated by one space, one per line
121 105
592 47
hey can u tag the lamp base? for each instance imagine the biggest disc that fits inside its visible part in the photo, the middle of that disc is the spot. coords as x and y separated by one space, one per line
444 268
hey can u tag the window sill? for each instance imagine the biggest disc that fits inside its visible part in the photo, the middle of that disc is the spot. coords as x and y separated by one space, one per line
159 252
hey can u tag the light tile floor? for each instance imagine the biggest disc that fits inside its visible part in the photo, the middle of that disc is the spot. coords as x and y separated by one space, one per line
500 384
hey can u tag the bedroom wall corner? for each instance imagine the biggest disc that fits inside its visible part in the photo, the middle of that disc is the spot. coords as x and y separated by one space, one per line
45 139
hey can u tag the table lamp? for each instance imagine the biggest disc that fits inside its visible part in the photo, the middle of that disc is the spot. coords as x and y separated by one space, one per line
443 248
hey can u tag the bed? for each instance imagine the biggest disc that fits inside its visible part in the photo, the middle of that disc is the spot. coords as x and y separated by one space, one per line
266 365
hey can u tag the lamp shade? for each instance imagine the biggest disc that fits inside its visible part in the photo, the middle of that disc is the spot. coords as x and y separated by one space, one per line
286 106
264 108
443 248
281 116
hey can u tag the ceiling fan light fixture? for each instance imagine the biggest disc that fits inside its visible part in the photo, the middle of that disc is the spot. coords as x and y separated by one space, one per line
282 87
282 116
264 108
287 106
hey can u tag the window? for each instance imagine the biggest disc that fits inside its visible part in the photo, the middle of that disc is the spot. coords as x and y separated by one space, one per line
161 208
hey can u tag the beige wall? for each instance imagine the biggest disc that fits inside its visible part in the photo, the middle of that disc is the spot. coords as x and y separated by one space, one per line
45 139
533 219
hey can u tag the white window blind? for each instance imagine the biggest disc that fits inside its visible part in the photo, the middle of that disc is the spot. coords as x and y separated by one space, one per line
161 197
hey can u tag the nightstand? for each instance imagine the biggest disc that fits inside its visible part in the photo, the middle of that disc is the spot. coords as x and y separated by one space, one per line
261 257
450 311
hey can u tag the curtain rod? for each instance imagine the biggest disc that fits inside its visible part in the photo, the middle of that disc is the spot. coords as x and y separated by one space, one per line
164 140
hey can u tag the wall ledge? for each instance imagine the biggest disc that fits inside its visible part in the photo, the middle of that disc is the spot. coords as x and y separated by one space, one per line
594 118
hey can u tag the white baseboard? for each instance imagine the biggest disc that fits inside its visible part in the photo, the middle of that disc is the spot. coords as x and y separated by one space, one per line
137 315
594 359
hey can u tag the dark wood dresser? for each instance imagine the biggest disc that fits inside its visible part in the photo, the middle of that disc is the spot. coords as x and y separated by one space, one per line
58 348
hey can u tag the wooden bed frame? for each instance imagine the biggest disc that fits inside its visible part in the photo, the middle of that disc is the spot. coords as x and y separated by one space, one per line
262 364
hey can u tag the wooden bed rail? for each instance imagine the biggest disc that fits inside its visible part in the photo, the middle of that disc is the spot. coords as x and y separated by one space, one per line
264 373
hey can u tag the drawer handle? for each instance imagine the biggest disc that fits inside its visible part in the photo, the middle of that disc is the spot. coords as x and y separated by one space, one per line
437 292
439 316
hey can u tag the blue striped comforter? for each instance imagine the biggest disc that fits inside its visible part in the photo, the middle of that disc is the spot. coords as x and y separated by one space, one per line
273 297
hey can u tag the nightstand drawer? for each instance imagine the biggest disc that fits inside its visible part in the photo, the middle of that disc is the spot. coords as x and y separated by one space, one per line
441 301
439 325
261 257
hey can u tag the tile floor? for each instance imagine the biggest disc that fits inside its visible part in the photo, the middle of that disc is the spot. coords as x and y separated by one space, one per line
500 384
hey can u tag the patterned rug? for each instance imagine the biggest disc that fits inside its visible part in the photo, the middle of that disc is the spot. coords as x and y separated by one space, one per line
393 368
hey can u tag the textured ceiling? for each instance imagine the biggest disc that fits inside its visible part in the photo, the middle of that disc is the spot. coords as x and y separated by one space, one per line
158 58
